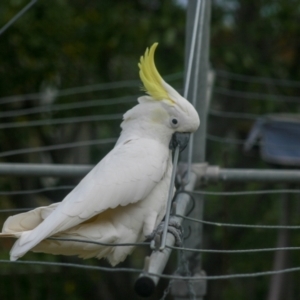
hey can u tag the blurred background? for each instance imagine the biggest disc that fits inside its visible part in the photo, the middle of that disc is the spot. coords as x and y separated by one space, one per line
69 71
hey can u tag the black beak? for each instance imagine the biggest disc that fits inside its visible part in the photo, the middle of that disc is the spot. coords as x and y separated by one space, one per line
180 139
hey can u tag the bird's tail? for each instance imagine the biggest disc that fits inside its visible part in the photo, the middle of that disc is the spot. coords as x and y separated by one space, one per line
21 246
17 250
30 228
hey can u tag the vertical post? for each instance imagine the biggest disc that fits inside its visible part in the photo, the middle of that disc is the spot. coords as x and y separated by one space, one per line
198 93
279 282
200 67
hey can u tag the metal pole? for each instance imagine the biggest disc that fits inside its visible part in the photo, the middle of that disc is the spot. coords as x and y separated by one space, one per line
205 173
19 169
199 94
210 174
145 284
170 197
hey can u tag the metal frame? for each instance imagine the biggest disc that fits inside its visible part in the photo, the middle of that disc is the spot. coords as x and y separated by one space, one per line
205 173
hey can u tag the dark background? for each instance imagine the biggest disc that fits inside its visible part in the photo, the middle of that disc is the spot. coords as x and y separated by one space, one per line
62 44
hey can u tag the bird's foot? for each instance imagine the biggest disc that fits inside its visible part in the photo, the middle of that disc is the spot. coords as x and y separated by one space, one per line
173 227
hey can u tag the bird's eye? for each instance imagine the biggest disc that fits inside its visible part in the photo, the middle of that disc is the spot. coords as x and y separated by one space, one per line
174 123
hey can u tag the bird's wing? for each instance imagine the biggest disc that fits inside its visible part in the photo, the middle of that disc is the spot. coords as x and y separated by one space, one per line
126 175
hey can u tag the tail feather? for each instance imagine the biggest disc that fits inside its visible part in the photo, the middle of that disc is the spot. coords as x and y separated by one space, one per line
30 238
20 247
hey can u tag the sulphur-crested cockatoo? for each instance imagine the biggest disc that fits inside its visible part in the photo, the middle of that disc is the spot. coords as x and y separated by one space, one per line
123 198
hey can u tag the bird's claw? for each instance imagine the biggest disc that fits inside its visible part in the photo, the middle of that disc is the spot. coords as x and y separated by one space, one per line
173 227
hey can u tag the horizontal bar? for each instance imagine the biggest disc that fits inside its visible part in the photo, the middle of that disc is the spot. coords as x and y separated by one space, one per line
204 172
44 170
259 175
216 174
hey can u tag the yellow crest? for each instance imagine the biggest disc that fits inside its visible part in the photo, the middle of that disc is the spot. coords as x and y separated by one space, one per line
152 81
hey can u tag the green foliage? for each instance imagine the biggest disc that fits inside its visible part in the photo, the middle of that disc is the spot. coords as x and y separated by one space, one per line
258 39
58 45
62 44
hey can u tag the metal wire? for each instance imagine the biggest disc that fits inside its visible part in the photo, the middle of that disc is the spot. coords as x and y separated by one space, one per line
246 193
219 224
83 89
181 248
72 91
36 191
218 139
68 107
192 50
108 117
214 138
17 16
208 193
58 147
263 80
237 251
73 265
200 8
233 115
229 276
256 96
142 244
132 270
98 243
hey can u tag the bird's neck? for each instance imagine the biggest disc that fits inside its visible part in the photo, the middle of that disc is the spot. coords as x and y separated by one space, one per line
146 120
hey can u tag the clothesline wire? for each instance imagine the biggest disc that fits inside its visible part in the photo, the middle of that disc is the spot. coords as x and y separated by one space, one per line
247 193
69 106
257 79
36 191
208 193
255 95
233 115
133 270
58 147
17 16
143 244
60 121
214 138
235 251
220 224
83 89
218 139
133 83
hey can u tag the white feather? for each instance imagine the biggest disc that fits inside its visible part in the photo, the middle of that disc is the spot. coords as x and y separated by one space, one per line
122 199
117 180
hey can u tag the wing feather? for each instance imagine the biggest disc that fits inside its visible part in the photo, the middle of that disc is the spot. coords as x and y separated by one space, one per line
126 175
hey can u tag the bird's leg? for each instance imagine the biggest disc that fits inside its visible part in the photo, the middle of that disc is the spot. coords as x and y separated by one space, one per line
173 227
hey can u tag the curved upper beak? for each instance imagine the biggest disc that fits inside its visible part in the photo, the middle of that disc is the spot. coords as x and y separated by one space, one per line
180 139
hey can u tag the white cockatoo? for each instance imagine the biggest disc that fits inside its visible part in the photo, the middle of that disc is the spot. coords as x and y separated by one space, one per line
123 198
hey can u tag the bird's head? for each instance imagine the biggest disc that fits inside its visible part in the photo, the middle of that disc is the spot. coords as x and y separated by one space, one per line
172 109
163 112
